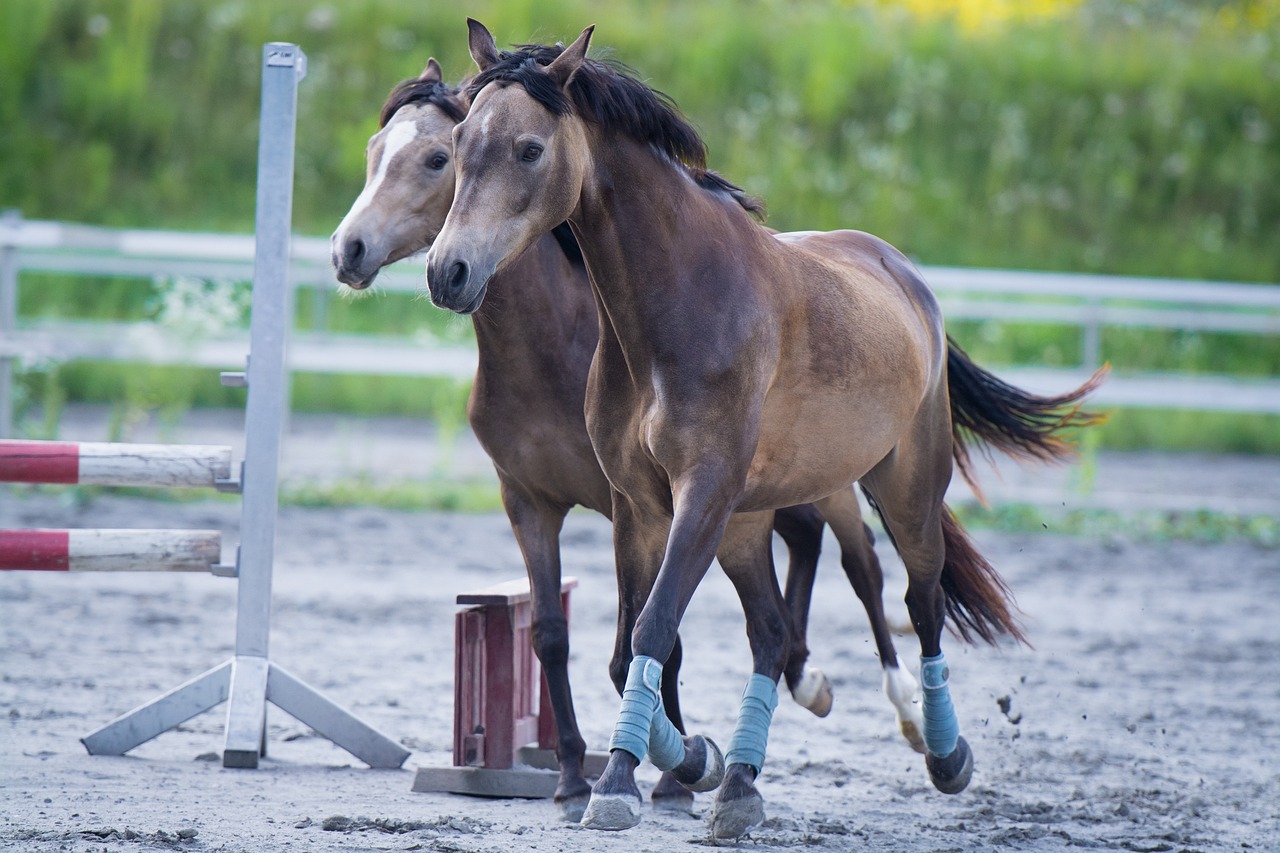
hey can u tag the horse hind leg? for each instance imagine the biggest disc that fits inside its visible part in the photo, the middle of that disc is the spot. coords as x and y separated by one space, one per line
801 529
747 559
907 489
862 567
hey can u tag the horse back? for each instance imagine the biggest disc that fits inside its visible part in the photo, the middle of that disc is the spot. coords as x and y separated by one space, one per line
877 281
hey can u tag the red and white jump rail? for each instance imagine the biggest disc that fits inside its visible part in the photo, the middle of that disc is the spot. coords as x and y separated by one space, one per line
112 464
110 550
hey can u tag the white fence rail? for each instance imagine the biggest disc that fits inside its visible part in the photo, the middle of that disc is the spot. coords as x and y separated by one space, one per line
1090 302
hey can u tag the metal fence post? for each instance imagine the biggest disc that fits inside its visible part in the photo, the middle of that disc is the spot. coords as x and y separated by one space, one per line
283 66
254 679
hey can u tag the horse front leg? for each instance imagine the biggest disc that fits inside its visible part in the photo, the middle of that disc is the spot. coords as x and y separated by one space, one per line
643 728
670 795
537 528
637 558
747 559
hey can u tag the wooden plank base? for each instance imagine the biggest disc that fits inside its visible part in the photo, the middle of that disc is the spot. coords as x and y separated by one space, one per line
523 782
545 759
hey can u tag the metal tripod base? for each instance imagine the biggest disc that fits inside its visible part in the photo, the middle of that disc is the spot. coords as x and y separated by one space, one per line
247 684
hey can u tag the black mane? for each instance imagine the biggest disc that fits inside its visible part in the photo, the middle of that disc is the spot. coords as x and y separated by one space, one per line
415 91
607 94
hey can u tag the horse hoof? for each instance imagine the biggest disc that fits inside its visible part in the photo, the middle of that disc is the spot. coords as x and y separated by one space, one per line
735 818
911 731
904 692
951 774
571 798
611 812
814 692
572 808
672 797
703 765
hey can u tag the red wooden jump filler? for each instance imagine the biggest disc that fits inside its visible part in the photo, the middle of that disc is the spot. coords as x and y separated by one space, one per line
504 733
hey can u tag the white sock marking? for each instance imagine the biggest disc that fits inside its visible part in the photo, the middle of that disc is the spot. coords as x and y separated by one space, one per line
904 692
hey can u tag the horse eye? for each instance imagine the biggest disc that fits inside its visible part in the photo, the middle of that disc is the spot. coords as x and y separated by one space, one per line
531 153
438 162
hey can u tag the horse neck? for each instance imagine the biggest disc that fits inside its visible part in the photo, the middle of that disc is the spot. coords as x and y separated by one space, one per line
651 238
536 323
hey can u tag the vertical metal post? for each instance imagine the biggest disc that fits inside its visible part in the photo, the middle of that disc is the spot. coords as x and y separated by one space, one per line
269 325
286 390
8 322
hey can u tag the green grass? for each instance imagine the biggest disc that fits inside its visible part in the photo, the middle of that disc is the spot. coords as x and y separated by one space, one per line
441 493
136 389
1168 429
1142 142
167 392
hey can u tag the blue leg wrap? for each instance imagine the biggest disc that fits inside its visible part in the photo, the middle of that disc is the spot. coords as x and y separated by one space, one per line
642 726
941 729
666 746
751 735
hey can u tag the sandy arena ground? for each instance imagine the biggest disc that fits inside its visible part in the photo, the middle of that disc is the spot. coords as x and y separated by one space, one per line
1144 718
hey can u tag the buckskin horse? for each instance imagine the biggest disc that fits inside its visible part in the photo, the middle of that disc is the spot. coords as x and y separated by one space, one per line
736 372
535 335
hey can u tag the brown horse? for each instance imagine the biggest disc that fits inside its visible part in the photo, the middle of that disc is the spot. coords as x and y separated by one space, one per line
735 373
536 334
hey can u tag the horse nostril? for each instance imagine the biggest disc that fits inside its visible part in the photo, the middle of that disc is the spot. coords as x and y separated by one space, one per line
457 275
353 252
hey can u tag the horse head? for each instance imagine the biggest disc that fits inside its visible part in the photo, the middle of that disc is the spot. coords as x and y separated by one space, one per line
520 158
409 180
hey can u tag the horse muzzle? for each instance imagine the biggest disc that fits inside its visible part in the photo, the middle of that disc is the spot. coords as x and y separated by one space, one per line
455 285
353 263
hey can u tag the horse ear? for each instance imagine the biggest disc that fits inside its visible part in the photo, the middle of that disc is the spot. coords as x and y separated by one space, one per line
483 48
568 62
432 73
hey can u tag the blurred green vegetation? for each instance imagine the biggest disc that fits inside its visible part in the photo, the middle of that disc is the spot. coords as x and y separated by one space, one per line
1141 525
1118 137
1123 136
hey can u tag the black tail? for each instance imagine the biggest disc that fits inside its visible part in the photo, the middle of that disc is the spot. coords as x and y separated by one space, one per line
978 600
979 603
1010 419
